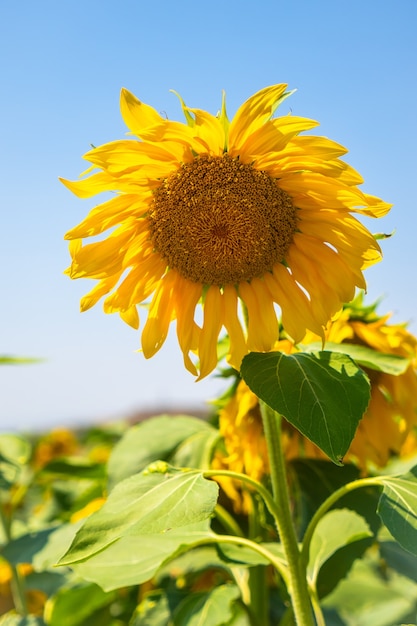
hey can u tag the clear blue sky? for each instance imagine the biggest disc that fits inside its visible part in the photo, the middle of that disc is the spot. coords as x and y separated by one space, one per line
62 67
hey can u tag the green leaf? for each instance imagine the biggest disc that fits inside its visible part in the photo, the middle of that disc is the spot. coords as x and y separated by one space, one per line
334 531
9 473
154 502
323 395
398 508
71 606
193 562
209 608
17 360
15 448
399 559
370 597
42 548
135 559
75 468
158 438
366 357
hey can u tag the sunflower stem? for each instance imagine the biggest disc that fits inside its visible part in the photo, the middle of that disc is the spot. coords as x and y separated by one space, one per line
298 588
259 596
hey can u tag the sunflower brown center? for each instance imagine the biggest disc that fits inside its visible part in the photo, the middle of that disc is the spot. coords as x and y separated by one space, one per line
219 221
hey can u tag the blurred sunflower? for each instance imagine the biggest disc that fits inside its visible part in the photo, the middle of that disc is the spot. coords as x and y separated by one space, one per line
387 429
247 212
58 442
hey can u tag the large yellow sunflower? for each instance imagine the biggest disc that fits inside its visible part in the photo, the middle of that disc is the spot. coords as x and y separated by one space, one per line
388 428
222 213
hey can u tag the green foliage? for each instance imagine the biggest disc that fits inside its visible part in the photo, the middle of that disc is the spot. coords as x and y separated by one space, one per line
150 556
335 530
323 395
365 357
398 508
181 440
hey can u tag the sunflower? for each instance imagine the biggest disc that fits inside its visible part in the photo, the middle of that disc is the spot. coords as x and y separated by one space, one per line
388 428
234 215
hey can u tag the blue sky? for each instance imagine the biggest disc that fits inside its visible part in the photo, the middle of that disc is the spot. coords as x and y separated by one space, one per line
62 67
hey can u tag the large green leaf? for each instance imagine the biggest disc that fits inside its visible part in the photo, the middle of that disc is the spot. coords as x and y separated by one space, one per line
153 502
157 438
323 395
134 559
208 608
334 531
366 357
398 508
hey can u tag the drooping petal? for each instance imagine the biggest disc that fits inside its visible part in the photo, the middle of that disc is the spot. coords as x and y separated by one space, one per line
263 323
233 325
160 315
212 324
186 298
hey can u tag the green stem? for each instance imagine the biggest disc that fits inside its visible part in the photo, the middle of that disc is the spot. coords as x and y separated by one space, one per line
228 521
259 591
327 504
263 492
17 584
298 588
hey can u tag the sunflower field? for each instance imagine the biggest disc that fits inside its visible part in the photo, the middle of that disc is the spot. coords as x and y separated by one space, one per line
293 501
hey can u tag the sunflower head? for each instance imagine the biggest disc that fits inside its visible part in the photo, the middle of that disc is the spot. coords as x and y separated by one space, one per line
243 214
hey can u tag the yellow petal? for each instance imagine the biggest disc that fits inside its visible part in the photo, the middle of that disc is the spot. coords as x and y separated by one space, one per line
186 297
254 113
238 347
160 315
273 136
104 286
131 317
125 156
91 186
136 114
109 214
212 324
209 131
263 322
297 315
101 259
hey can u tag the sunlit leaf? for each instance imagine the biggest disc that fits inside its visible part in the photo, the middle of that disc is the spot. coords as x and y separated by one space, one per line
159 438
398 508
153 502
366 357
134 559
323 395
335 530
